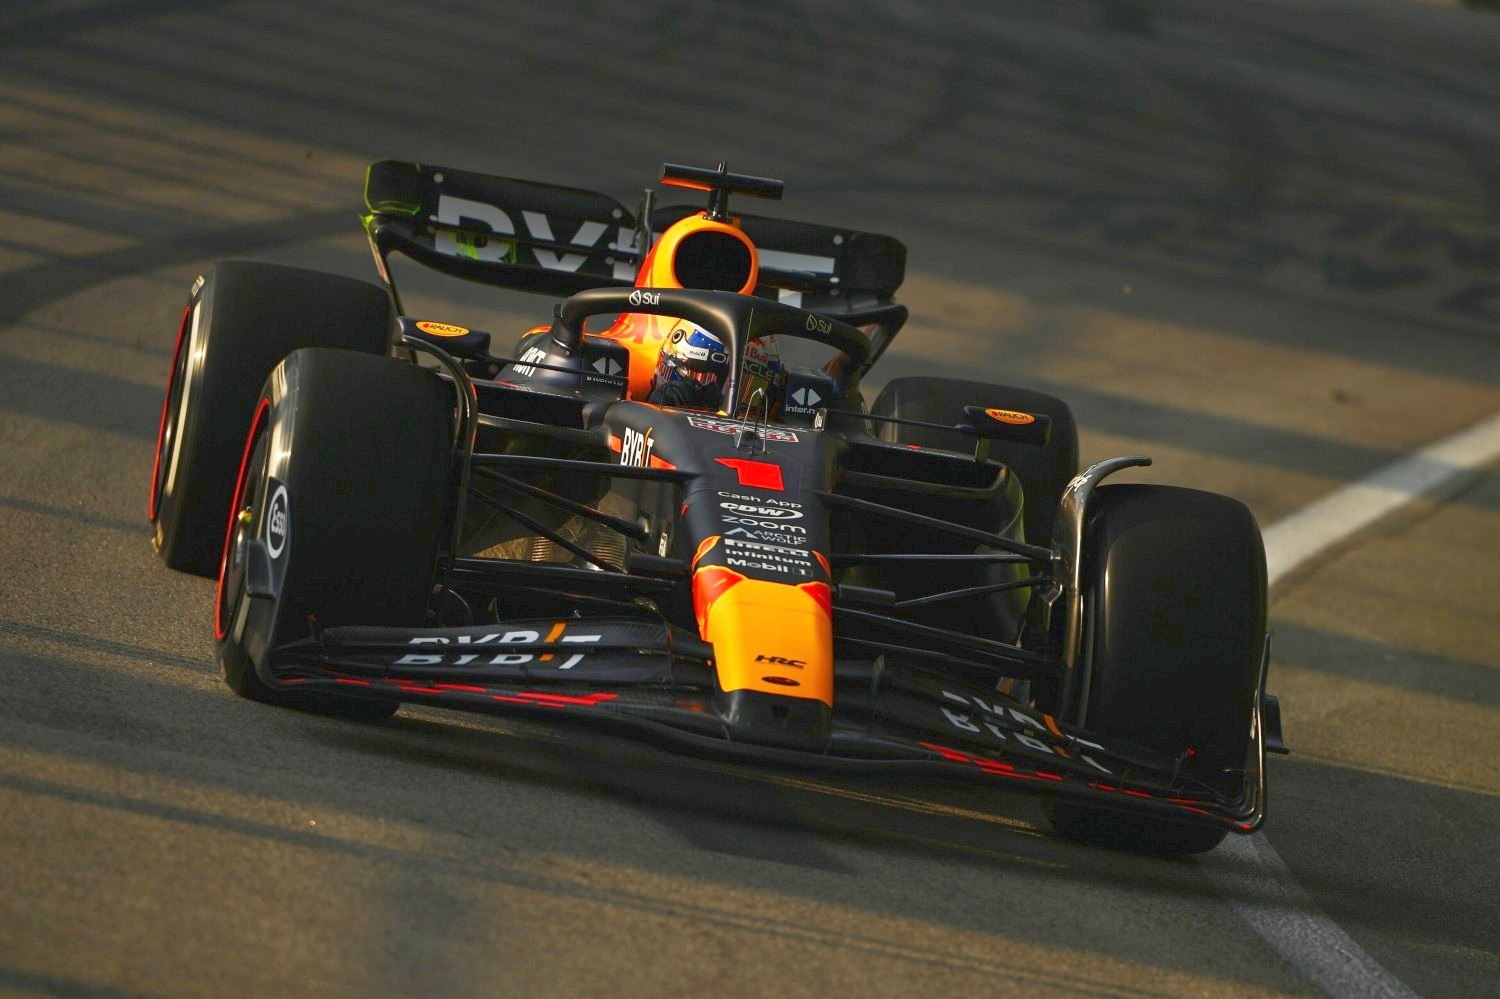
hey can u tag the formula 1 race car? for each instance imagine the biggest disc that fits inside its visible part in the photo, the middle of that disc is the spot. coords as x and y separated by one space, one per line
924 585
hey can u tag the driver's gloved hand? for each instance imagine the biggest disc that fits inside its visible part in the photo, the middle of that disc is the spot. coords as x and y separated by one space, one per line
685 394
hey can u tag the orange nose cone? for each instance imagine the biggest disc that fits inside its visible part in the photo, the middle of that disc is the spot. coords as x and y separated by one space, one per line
770 637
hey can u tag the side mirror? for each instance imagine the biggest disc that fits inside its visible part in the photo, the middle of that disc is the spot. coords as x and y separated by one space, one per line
460 341
1008 424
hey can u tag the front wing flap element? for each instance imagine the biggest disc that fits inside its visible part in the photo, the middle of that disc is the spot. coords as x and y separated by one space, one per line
655 680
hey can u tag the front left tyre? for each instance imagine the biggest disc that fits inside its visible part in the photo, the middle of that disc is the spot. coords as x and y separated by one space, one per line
240 320
338 514
1176 639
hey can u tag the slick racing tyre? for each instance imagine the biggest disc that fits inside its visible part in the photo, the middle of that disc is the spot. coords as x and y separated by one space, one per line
1176 595
1044 471
339 507
241 318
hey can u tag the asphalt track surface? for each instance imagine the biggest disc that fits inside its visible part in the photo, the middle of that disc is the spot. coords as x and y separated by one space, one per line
1260 242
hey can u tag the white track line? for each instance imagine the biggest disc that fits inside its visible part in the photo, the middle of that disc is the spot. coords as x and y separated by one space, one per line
1263 893
1262 890
1312 530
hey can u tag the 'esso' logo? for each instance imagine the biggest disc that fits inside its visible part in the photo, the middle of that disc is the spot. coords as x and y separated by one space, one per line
639 297
441 329
1010 416
276 522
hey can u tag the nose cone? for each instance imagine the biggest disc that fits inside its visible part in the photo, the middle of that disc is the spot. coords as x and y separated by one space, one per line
776 638
773 653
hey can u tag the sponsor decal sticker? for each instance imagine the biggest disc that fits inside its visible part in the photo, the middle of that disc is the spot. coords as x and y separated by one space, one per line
1010 416
767 566
639 298
508 639
757 510
773 537
968 721
772 525
774 434
767 500
441 329
779 559
278 527
759 547
635 448
805 398
455 241
532 355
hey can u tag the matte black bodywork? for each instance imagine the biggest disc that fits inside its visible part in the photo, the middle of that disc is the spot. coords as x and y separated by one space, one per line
578 518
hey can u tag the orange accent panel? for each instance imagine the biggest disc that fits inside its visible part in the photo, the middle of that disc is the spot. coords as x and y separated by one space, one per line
709 584
773 621
703 549
552 636
821 595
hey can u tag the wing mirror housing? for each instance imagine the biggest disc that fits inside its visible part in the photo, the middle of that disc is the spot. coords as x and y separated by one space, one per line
460 341
989 423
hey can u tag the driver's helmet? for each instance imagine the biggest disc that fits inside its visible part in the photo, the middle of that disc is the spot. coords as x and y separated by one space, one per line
691 354
693 366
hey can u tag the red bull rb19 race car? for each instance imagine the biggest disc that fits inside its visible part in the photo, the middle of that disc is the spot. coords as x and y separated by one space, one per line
760 564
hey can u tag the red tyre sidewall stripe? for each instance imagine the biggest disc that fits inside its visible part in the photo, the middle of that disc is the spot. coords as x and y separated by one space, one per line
166 405
220 630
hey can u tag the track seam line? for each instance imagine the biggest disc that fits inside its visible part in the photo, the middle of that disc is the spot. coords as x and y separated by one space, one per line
1290 921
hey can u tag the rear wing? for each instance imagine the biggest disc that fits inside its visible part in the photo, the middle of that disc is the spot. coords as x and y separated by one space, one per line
558 241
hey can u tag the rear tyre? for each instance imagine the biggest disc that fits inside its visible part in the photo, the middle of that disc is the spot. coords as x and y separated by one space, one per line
1044 471
342 520
238 323
1178 584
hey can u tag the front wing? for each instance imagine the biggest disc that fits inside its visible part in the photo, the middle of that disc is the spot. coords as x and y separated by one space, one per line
656 681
